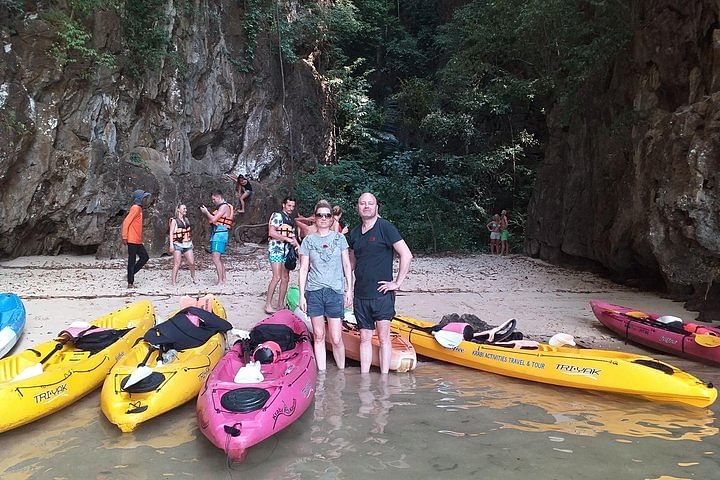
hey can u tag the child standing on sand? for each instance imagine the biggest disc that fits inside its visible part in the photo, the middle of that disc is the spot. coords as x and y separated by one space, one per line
494 227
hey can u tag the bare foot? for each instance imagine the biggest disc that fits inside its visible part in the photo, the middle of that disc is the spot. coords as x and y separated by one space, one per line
130 285
269 309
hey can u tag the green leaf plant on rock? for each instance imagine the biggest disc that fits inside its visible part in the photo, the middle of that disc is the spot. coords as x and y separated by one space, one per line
74 37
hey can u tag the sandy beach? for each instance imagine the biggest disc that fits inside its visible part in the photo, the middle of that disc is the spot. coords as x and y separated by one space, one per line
546 299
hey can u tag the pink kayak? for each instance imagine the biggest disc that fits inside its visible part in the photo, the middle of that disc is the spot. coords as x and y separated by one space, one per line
260 386
676 338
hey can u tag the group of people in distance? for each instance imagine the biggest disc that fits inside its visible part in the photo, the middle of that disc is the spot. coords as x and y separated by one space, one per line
179 236
499 234
335 272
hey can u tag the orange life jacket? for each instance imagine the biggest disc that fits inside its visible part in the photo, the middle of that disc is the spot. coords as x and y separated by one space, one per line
182 234
225 220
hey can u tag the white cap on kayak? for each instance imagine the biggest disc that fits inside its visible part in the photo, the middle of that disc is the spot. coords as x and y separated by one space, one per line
561 339
669 319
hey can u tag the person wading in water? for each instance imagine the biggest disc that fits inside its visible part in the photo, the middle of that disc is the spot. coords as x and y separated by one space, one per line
373 245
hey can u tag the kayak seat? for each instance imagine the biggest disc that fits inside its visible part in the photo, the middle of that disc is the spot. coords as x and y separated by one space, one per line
180 333
245 399
147 384
283 335
656 365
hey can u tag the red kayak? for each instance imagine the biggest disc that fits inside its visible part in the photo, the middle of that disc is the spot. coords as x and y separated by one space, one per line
664 333
262 385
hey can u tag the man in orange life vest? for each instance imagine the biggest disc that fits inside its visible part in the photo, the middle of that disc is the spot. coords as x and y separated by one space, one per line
222 221
132 236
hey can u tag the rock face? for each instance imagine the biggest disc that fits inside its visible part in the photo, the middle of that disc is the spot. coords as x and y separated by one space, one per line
633 184
75 142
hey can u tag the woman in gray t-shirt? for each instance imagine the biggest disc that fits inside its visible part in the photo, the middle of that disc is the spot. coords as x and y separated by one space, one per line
325 283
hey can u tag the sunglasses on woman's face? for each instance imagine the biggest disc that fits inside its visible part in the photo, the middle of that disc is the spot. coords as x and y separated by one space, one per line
323 215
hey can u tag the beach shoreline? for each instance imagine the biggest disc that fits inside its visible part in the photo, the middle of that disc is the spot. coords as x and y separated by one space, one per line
544 298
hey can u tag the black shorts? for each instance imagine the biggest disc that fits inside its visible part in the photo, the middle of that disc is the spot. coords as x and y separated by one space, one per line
370 310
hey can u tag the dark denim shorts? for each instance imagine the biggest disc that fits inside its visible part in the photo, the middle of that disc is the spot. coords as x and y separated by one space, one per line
325 302
370 310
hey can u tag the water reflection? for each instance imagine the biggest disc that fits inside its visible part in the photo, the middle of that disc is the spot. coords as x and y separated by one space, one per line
442 421
575 412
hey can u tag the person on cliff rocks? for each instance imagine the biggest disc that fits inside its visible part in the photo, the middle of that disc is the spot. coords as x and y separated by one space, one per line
132 234
282 236
221 220
504 234
181 244
243 190
373 245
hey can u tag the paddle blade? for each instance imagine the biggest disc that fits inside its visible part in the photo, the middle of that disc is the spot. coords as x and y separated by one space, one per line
29 372
241 334
704 340
138 375
448 339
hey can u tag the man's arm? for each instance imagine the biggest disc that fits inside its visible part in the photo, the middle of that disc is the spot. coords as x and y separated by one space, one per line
132 214
218 215
405 255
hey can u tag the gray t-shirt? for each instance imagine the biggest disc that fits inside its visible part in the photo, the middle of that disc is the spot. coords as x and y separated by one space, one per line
325 254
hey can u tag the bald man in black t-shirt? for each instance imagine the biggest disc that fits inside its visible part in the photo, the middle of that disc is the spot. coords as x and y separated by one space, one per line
372 248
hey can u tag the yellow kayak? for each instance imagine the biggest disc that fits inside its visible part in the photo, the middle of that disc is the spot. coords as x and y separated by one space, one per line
590 369
169 383
58 373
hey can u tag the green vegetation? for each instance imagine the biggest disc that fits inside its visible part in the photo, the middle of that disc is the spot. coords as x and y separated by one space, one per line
442 113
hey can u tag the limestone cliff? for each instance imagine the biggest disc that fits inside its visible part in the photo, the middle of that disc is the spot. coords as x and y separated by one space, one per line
633 183
76 140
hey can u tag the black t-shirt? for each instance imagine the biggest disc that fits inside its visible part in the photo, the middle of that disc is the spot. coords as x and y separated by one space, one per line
247 186
374 253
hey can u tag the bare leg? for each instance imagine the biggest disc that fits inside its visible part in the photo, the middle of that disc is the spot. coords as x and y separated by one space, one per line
276 274
318 324
177 258
338 348
383 331
219 268
365 349
284 281
242 202
190 259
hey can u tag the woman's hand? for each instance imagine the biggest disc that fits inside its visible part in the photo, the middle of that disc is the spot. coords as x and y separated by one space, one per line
303 304
348 299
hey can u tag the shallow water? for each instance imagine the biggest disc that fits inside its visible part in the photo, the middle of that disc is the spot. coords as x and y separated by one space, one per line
442 421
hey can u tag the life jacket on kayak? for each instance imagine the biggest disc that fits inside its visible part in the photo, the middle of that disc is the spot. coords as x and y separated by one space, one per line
92 339
183 231
695 328
226 220
181 332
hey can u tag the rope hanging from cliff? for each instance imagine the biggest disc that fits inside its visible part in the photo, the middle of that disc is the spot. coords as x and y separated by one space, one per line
286 117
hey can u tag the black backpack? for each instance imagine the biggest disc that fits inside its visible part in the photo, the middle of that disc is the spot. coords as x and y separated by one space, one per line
273 332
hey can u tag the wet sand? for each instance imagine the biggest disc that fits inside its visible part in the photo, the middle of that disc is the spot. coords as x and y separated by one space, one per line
440 421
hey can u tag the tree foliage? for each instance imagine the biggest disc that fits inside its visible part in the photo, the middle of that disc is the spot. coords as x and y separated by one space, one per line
441 113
